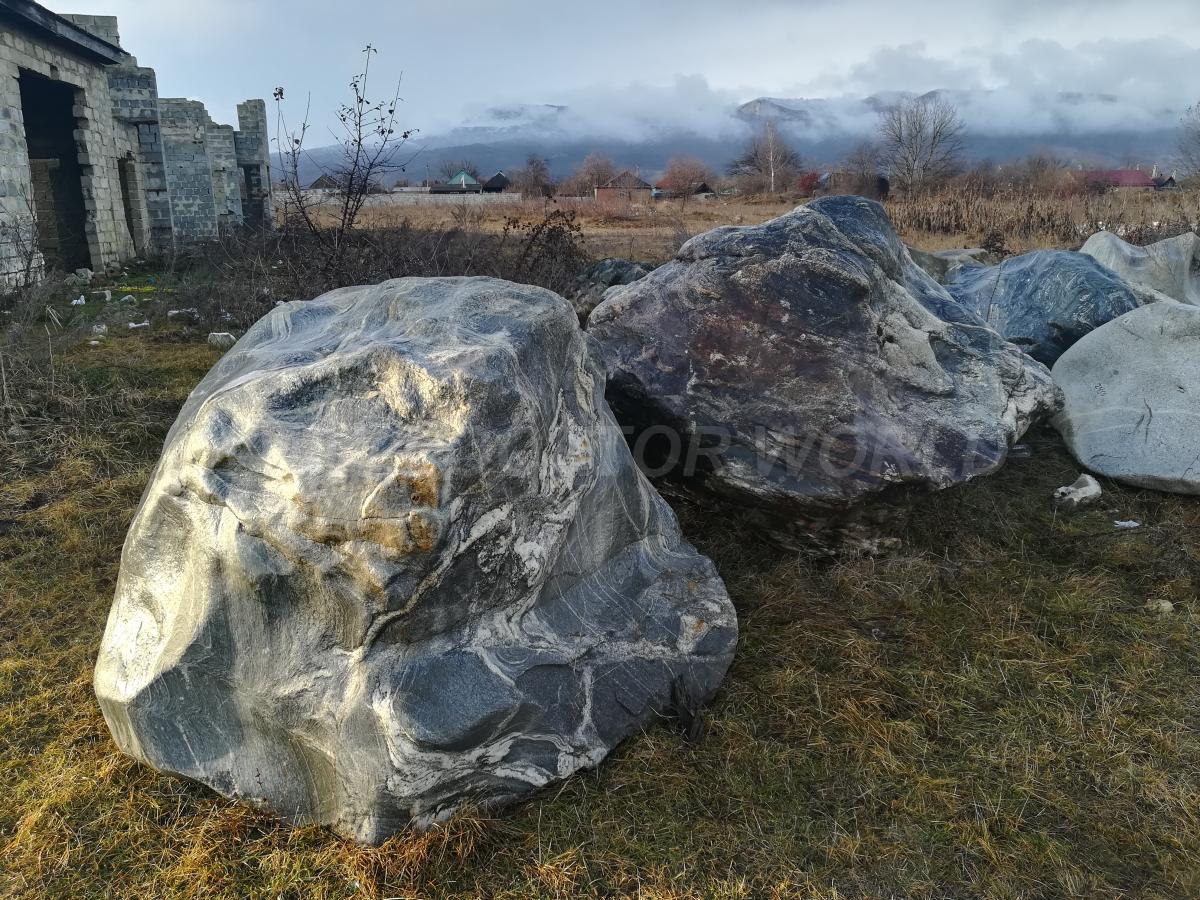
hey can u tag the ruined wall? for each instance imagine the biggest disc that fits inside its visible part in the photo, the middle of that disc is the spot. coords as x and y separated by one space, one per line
103 27
183 126
254 158
151 175
226 176
96 144
134 93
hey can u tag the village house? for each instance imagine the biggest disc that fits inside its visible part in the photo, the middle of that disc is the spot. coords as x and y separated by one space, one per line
663 188
1119 180
95 167
325 184
463 182
626 187
497 184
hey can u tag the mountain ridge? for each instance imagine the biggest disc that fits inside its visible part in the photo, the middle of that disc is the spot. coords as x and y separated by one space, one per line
1099 129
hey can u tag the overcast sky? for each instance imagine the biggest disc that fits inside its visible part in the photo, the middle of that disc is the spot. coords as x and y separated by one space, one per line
685 54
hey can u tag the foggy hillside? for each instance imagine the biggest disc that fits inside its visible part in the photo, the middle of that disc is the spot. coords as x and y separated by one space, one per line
1087 129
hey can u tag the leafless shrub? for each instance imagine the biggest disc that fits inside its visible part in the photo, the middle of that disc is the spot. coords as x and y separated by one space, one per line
20 236
594 171
370 142
684 176
239 279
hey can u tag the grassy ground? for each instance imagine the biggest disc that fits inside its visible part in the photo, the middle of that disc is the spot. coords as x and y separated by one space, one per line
992 711
650 231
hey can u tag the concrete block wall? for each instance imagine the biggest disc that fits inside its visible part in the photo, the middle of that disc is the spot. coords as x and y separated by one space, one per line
134 93
254 157
42 182
18 228
103 27
108 237
156 174
183 126
227 176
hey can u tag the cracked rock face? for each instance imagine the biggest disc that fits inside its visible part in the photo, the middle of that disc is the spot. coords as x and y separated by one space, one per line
1044 301
939 263
599 278
1133 398
1170 267
396 558
810 366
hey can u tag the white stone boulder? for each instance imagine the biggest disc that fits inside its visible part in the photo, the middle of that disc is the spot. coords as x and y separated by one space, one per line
1084 492
396 559
1170 267
1132 392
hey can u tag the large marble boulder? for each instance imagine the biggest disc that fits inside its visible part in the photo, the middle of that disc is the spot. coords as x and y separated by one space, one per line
1043 301
1170 267
1132 392
396 558
800 368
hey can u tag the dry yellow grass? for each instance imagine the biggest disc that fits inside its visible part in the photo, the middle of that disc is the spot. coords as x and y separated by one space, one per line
651 231
953 219
992 711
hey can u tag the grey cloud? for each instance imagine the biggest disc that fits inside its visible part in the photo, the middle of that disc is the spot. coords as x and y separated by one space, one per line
618 67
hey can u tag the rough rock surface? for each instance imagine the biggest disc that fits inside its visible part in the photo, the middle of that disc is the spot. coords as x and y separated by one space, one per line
1043 301
222 340
938 263
396 558
1170 267
1132 393
808 366
599 277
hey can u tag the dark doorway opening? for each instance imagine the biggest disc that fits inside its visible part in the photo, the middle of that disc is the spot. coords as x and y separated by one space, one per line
252 204
46 107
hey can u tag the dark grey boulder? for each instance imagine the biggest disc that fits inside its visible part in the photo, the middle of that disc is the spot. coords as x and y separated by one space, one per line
599 277
612 271
804 367
396 559
1044 301
938 263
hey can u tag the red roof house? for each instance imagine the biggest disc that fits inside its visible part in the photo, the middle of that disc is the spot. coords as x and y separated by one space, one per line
1119 178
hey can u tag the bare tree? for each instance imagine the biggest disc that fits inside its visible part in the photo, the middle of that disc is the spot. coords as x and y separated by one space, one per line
535 179
922 142
864 163
370 141
767 160
594 171
450 167
1189 142
684 176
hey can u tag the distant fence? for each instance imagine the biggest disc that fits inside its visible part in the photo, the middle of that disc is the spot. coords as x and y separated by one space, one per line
414 198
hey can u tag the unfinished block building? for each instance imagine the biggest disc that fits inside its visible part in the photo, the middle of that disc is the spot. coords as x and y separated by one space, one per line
95 167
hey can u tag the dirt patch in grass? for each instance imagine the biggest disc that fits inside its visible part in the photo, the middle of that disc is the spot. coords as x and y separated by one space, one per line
991 711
